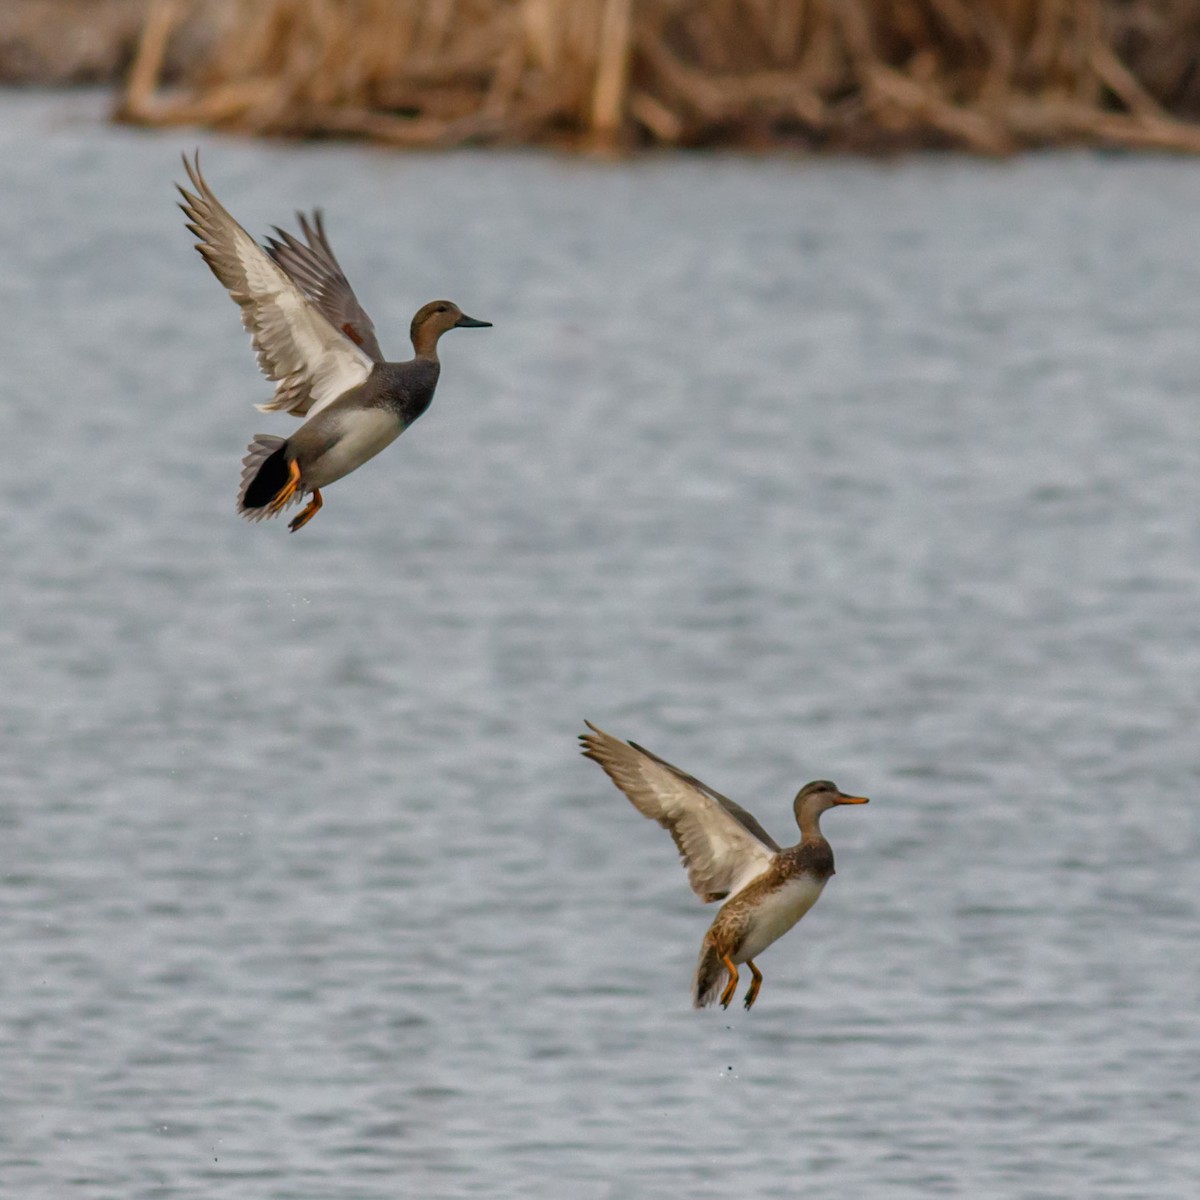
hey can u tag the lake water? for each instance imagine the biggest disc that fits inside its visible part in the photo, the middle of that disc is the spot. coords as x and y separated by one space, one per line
882 472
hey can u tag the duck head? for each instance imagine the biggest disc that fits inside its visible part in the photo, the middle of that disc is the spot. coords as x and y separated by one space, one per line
434 319
817 797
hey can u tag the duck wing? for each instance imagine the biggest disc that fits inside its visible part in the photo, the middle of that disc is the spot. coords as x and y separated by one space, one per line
735 810
311 362
720 849
315 268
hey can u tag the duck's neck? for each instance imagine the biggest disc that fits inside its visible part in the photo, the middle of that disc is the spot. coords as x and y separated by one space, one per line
425 342
809 820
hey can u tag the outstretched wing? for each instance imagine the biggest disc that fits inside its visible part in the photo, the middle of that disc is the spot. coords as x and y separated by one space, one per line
721 852
320 277
311 361
735 810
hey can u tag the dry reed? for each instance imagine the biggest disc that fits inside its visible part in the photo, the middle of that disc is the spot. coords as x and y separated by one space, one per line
985 75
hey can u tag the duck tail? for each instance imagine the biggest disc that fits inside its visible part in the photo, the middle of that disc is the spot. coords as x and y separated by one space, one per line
710 974
265 479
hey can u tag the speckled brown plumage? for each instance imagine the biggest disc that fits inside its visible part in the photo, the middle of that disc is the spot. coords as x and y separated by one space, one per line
727 853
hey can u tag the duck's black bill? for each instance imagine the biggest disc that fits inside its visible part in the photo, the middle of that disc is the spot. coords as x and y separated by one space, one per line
465 322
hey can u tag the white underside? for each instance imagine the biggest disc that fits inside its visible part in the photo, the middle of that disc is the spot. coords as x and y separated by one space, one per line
365 433
777 913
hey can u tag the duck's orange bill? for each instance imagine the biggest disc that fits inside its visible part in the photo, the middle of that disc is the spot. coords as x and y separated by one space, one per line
853 800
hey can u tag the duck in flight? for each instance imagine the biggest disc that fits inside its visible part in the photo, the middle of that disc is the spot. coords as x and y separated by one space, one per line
316 343
729 856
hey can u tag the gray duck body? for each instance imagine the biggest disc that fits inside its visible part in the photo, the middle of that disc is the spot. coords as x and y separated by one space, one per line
315 340
362 422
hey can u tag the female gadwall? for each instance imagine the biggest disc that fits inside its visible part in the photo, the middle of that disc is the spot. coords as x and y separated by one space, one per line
316 342
729 856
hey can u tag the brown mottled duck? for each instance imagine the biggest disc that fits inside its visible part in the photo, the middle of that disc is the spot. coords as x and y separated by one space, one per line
729 856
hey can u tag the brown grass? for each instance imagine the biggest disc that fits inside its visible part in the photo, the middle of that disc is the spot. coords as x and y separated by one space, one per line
986 75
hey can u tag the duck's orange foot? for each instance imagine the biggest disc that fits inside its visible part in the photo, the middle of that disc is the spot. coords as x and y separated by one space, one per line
311 509
731 986
285 494
752 991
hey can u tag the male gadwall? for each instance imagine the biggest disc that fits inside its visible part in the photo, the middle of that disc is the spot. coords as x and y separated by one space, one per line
729 856
319 346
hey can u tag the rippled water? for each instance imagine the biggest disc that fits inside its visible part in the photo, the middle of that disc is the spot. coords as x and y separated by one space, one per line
888 473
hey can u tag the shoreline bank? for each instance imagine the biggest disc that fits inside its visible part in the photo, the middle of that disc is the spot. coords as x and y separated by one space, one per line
858 76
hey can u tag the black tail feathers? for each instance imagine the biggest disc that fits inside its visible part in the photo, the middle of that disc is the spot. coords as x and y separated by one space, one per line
265 473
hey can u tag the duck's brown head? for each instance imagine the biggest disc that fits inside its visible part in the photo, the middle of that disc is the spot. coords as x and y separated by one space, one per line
817 797
434 319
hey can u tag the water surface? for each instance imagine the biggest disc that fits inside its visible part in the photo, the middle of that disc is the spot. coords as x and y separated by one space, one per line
887 473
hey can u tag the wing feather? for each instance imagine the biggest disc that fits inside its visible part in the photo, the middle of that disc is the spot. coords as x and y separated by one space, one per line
311 362
316 270
720 851
734 809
